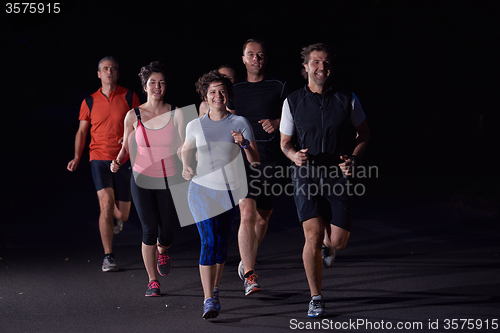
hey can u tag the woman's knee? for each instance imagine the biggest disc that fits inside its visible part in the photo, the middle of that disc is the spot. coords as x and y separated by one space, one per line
166 240
149 238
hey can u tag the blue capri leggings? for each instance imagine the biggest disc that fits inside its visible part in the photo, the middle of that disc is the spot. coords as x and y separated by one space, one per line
214 231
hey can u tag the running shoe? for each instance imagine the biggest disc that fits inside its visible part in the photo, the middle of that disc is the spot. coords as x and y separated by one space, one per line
328 256
164 263
316 307
216 300
251 285
108 264
153 288
118 227
241 271
209 310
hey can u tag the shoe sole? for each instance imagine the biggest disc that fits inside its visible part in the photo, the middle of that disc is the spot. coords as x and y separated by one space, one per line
316 316
253 291
210 314
153 295
114 269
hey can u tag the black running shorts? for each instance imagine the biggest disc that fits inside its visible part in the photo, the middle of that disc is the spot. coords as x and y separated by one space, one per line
260 181
119 181
316 194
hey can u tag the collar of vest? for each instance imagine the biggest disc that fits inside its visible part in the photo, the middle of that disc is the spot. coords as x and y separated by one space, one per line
329 91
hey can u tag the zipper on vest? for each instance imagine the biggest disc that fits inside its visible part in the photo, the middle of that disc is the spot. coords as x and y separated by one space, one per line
322 130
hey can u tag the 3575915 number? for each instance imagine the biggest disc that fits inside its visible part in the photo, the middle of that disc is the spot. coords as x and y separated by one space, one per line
470 324
32 8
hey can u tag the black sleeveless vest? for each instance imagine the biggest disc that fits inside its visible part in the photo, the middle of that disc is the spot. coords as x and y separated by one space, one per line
322 124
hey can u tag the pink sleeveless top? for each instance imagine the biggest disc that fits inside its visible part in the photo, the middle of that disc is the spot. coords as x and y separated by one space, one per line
157 160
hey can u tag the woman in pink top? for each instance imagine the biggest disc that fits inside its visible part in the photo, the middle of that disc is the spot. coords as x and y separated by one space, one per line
153 134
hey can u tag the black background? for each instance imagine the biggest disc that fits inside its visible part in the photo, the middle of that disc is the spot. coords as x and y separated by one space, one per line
425 72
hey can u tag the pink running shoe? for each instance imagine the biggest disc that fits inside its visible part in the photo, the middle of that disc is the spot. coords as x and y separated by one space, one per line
153 289
164 263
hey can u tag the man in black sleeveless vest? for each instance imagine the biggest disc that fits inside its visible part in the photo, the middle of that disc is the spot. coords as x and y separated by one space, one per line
318 126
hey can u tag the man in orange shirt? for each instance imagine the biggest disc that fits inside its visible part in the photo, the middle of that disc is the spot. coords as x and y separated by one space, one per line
104 112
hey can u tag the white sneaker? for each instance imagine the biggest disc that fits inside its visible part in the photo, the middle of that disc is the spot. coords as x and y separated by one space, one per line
108 264
328 256
118 227
241 271
316 307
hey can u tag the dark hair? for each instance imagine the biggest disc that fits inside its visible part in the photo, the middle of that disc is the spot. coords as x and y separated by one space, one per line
153 67
213 76
107 58
255 40
228 66
307 50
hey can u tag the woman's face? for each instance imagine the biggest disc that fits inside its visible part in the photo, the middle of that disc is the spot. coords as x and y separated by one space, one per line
217 96
156 86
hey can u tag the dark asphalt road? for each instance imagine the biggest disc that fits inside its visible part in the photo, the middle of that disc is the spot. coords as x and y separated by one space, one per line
411 259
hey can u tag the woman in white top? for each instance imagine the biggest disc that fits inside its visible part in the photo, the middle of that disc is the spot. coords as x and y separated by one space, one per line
219 137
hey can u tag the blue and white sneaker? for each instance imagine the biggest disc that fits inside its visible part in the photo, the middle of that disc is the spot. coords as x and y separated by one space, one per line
216 299
209 310
316 307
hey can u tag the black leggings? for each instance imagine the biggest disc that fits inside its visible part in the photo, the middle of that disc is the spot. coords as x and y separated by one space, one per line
156 211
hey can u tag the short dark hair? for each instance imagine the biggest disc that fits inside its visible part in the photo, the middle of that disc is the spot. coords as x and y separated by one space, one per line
255 40
153 67
213 76
307 50
228 66
107 58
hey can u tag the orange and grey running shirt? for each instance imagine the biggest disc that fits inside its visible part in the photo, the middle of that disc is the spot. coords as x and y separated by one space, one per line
106 119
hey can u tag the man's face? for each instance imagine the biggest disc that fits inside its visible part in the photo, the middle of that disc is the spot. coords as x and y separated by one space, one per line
254 58
108 72
318 68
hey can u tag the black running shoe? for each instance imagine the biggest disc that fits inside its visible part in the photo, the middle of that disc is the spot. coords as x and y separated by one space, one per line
153 288
164 263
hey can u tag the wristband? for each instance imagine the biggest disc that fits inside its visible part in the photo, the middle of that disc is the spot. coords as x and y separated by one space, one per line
116 161
245 146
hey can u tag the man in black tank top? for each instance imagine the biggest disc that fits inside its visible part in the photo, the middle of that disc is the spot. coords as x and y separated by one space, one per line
259 99
323 132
